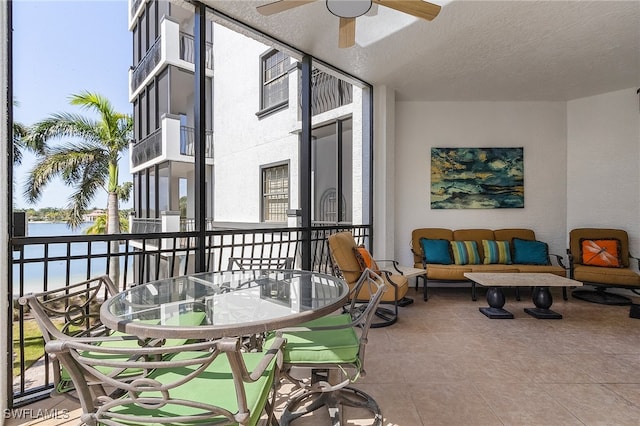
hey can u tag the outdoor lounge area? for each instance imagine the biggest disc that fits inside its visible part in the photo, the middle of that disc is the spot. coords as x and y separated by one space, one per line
453 366
493 121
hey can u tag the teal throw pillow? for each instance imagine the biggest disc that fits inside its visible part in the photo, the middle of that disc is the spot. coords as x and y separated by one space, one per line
527 252
436 251
465 252
496 252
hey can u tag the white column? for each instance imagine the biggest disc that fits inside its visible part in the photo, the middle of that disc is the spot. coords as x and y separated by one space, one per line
5 318
384 101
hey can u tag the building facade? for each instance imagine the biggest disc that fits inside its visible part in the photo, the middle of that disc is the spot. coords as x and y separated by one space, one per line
253 122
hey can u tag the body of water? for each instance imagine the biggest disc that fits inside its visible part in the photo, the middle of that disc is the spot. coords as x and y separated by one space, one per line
33 273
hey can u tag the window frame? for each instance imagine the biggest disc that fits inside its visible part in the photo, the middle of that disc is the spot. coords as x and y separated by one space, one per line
263 195
283 104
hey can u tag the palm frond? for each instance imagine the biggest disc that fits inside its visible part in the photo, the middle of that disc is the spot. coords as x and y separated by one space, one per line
124 191
63 125
87 165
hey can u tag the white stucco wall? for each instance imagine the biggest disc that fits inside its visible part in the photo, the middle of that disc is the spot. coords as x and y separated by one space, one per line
243 141
603 167
539 127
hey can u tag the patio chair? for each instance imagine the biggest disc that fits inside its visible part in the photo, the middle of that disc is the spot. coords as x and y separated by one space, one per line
254 342
329 346
71 311
249 263
347 264
209 382
74 312
600 257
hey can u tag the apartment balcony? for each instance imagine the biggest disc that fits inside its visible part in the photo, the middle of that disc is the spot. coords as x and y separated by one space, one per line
173 47
327 93
171 142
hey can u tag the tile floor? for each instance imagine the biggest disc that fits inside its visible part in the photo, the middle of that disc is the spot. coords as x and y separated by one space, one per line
444 363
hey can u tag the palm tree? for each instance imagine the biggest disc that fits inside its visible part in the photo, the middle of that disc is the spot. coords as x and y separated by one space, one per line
20 143
87 161
99 225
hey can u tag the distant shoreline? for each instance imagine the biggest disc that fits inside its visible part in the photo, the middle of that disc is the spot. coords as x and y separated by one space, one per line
49 221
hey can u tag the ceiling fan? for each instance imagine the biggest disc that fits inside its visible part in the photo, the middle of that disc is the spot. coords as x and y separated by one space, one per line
349 10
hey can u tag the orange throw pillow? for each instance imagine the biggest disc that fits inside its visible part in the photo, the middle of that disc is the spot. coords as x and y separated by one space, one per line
605 252
364 258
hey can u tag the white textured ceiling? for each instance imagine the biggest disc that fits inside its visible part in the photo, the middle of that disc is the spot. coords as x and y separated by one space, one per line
474 50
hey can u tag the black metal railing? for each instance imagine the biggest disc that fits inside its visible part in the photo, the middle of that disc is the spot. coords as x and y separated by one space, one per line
146 65
45 263
187 138
147 149
328 92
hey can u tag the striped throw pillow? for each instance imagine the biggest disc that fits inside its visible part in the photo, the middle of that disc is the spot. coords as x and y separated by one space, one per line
496 252
465 252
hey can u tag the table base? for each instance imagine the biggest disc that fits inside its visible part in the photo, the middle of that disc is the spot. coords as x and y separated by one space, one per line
496 313
541 297
347 396
542 313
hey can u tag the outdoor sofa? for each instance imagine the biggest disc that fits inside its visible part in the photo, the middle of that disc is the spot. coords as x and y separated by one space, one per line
447 254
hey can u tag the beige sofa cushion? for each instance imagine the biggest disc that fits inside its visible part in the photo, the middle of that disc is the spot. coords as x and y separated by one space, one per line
542 269
342 247
447 272
613 276
510 234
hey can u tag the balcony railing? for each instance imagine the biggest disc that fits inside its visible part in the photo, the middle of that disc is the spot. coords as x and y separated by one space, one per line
147 149
328 92
187 50
46 263
146 65
187 144
145 226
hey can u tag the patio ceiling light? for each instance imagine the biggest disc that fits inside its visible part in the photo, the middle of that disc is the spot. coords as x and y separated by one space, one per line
348 8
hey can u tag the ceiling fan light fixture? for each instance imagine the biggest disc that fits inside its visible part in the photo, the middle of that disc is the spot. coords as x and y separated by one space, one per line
348 8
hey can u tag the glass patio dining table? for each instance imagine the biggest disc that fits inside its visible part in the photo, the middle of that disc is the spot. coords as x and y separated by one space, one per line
223 304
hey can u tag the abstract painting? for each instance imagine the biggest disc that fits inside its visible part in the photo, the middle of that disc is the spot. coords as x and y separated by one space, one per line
477 178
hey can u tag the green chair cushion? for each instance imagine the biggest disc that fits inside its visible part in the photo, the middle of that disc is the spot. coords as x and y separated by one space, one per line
324 346
185 319
213 386
188 318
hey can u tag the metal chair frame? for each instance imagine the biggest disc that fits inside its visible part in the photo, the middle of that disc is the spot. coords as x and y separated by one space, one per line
319 389
151 390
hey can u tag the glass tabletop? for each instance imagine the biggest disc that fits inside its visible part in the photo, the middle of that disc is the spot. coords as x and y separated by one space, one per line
218 304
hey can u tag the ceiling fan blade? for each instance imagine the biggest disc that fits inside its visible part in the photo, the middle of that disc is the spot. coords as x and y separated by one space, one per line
280 6
417 8
347 34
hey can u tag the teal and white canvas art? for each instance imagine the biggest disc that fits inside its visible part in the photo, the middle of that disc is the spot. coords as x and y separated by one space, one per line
477 178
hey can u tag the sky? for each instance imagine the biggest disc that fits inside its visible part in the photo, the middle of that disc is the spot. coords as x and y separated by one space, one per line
61 48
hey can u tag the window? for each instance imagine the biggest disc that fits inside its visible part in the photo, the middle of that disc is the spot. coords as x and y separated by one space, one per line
275 193
274 79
